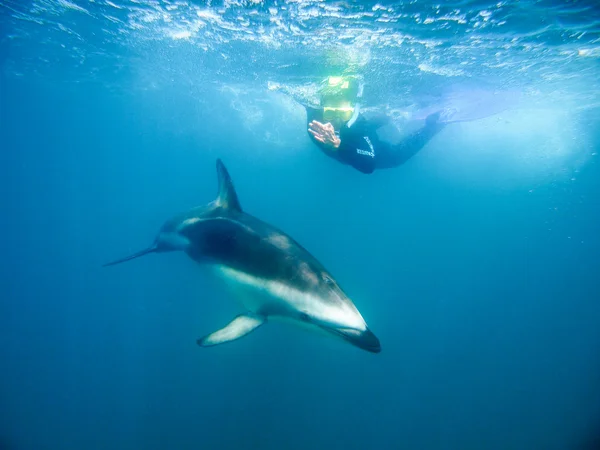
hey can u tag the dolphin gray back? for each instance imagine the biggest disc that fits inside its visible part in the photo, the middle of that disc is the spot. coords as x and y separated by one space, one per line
222 233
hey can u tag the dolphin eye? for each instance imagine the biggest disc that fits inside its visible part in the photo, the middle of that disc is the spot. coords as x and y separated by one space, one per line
327 280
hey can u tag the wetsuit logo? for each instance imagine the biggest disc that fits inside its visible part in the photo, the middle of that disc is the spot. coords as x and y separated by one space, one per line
365 152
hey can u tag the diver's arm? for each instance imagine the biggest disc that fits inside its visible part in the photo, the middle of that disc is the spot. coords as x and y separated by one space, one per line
346 151
325 134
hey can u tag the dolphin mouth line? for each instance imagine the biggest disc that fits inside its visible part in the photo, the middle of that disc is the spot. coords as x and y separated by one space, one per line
362 339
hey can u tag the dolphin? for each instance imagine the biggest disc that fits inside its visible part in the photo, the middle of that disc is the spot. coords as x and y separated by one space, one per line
275 276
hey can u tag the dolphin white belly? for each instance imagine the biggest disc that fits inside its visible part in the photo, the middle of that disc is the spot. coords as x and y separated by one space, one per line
274 298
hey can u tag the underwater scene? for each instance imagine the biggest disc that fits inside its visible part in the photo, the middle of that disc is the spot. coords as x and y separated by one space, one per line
303 224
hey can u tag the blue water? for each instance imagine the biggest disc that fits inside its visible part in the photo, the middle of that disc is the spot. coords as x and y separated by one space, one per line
476 263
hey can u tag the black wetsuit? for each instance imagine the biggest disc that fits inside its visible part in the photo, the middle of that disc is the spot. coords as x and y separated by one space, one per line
361 147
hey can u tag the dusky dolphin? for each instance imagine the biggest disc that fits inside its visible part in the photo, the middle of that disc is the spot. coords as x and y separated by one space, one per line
278 278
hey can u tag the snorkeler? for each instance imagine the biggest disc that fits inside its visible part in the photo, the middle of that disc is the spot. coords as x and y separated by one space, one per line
342 132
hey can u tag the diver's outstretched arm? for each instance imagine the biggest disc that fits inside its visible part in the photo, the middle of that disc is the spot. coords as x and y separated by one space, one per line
324 133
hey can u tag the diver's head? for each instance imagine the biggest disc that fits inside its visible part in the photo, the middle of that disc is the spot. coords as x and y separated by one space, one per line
338 99
338 89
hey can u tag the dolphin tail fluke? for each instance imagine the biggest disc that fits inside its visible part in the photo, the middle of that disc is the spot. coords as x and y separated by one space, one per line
227 197
237 328
130 257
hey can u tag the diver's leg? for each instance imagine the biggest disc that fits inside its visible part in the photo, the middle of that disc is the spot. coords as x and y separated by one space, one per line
395 155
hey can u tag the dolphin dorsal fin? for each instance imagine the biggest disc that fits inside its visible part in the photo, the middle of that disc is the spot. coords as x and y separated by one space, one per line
227 197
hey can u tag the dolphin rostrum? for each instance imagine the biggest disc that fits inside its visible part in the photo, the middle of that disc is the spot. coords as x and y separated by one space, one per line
278 277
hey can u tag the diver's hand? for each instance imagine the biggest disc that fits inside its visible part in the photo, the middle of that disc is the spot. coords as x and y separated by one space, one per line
324 133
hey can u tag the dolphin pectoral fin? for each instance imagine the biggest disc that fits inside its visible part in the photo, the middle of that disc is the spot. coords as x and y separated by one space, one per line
237 328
